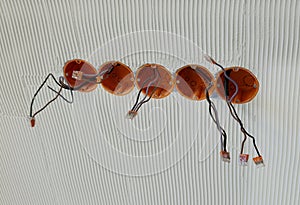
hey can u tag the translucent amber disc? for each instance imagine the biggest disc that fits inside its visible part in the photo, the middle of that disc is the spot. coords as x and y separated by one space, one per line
161 80
192 80
84 67
248 84
120 81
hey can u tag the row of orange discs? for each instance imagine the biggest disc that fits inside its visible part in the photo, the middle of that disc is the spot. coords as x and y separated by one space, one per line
157 81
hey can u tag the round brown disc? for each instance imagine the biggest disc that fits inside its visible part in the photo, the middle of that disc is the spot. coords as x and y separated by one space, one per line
84 67
192 80
248 84
161 80
120 81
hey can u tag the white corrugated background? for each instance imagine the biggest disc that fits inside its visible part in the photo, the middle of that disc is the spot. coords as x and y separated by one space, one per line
87 153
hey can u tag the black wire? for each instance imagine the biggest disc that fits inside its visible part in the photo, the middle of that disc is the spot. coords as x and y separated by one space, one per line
234 113
60 95
225 81
67 87
61 84
144 101
140 91
226 85
220 66
223 132
211 104
137 99
48 76
40 110
138 96
236 117
243 143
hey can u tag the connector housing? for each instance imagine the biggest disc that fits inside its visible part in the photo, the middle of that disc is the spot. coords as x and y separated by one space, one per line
244 159
131 114
259 161
225 156
32 121
77 75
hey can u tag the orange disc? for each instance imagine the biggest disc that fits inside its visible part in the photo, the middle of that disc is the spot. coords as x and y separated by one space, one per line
120 81
84 67
248 84
192 80
156 77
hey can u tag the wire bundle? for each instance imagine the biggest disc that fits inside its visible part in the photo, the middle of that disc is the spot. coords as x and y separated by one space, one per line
134 110
243 157
79 75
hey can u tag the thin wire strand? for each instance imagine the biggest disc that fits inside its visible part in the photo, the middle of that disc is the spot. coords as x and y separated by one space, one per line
61 84
235 84
143 101
60 95
62 80
137 104
211 60
215 118
212 107
138 96
40 110
34 96
244 131
106 71
146 94
233 111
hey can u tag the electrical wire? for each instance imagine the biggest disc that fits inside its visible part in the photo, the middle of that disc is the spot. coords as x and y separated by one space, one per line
146 94
230 79
34 96
60 95
234 114
236 117
143 102
92 78
88 78
138 104
62 86
140 91
211 60
52 100
212 108
215 118
68 87
231 107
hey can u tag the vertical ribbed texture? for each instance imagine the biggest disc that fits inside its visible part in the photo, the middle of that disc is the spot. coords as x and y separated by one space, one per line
88 153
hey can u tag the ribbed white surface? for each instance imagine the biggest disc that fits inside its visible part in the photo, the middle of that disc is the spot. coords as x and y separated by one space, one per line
87 153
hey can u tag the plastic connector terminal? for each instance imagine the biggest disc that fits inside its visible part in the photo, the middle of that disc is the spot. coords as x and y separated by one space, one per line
32 121
225 156
259 161
244 159
131 114
77 75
